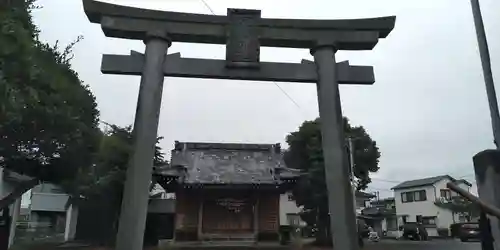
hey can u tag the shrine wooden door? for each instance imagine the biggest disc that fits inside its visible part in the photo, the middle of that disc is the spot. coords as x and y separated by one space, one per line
227 216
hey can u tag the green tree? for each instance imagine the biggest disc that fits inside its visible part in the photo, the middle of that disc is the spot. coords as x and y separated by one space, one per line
305 153
109 164
49 119
100 188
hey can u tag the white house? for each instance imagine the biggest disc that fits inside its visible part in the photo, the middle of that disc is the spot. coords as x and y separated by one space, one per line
416 202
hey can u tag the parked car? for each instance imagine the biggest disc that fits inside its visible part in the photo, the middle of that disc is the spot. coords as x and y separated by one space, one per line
410 231
455 229
469 231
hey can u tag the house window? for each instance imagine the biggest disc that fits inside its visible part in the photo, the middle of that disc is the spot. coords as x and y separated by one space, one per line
412 196
420 195
429 220
446 193
407 197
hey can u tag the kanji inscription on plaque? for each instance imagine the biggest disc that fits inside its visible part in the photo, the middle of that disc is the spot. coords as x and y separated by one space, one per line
243 47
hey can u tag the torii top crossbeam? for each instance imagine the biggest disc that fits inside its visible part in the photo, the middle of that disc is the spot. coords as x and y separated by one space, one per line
133 23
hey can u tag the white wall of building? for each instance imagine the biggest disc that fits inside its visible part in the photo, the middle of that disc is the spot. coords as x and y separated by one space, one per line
48 202
412 209
288 207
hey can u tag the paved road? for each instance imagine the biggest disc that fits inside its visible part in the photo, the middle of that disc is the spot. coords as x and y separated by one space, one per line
426 245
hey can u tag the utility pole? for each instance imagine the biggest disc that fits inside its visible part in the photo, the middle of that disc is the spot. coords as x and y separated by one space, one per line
484 53
351 166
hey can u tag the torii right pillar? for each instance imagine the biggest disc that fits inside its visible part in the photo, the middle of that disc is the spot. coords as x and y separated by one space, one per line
487 169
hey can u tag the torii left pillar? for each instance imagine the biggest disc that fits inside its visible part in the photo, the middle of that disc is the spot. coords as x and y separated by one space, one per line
136 190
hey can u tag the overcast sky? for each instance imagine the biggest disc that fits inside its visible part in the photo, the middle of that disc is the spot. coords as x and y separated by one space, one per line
427 110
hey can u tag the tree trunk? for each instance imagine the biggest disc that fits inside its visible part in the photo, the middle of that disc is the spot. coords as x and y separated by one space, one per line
324 232
323 238
19 190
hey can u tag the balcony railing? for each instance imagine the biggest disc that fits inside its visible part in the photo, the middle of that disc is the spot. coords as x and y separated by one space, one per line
486 207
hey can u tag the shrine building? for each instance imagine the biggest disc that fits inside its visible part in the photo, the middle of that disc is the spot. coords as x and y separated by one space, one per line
226 190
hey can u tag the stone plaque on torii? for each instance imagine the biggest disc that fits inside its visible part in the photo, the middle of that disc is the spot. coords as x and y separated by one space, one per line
243 32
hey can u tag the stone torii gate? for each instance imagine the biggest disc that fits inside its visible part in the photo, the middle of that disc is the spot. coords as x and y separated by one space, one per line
243 32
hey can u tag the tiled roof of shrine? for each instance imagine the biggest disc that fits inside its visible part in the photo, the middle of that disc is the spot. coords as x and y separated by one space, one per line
224 163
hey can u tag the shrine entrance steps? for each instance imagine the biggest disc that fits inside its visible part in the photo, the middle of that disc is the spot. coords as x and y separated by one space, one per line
242 238
227 245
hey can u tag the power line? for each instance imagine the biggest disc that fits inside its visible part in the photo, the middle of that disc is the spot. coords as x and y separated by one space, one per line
208 7
386 180
275 83
379 189
467 175
287 95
